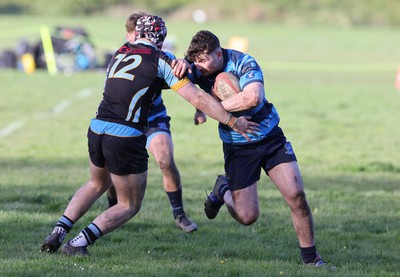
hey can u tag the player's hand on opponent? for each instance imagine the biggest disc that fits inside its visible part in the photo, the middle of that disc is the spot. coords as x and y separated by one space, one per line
199 117
180 67
243 126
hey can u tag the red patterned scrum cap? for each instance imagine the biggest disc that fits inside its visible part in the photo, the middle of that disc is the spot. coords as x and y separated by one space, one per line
151 27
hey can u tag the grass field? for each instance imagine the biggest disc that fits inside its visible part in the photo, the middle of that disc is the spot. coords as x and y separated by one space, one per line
334 90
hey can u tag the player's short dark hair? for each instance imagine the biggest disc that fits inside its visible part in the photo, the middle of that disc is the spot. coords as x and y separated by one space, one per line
204 42
130 24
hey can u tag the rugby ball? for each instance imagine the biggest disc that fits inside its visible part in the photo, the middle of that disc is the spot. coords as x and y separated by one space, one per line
226 85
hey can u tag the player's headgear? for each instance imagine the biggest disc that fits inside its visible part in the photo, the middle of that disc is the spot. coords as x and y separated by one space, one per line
151 27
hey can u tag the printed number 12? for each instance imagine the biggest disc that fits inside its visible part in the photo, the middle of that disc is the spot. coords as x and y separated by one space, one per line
123 72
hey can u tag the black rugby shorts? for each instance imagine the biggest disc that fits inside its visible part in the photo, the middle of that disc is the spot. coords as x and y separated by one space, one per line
121 155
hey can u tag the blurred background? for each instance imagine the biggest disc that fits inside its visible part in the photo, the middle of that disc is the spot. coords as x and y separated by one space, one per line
332 12
79 42
81 34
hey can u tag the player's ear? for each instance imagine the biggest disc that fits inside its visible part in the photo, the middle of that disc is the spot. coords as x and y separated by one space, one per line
220 54
131 37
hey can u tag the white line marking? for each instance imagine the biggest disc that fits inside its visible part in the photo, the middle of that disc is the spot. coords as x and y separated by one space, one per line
11 128
61 107
56 110
85 93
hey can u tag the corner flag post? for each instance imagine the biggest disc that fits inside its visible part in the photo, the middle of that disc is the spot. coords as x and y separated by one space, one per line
48 50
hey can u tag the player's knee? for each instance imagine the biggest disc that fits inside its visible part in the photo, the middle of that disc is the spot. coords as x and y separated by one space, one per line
299 202
167 166
248 218
130 208
300 198
99 186
164 164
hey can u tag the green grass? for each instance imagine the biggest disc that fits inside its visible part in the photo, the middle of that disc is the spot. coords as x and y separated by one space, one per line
334 90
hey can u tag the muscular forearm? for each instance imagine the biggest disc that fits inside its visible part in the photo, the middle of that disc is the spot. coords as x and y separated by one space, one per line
238 103
215 110
249 98
207 104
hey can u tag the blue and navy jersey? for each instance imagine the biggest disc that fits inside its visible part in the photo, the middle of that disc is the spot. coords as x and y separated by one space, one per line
131 85
158 108
248 71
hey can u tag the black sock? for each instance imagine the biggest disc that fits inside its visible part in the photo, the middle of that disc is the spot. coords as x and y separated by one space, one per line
65 222
111 201
308 254
92 233
175 199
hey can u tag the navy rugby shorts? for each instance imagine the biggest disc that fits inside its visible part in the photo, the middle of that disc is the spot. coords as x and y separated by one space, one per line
157 126
243 163
121 155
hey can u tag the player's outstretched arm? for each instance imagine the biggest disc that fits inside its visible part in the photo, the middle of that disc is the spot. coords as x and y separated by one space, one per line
215 110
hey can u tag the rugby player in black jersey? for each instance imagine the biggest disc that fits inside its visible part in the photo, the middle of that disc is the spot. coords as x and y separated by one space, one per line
159 143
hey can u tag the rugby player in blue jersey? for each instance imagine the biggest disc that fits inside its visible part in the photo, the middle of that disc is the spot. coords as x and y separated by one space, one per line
116 139
267 149
159 143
